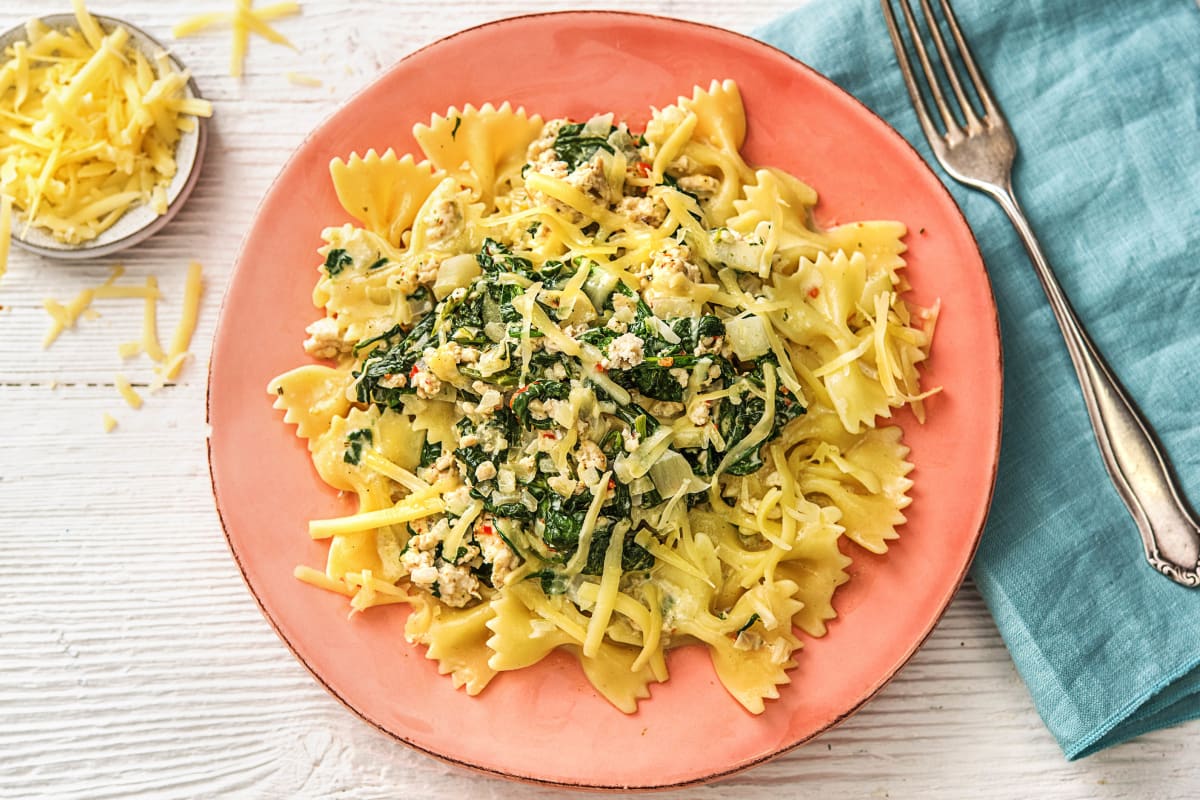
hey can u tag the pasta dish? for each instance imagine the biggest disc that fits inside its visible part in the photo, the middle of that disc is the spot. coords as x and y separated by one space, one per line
604 391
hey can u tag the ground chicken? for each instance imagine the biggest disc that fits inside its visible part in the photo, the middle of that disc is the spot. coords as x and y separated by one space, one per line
541 149
625 352
444 469
670 262
624 312
427 270
495 550
443 221
427 384
588 455
325 339
590 179
649 210
456 586
698 414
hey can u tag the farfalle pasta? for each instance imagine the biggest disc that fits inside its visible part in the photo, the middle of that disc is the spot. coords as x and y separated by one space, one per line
603 391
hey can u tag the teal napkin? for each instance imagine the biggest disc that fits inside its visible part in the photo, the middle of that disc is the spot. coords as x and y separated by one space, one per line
1103 96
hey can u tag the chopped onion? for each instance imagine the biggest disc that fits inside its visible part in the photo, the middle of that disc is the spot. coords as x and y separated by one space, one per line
454 273
599 286
672 471
631 466
747 336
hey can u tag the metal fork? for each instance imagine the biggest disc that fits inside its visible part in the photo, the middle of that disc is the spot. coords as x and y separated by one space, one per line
979 152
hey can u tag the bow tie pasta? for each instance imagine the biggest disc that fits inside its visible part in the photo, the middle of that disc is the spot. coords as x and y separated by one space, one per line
604 391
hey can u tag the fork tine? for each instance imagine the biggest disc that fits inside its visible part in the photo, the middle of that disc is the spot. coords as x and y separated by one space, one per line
953 130
980 85
906 71
968 111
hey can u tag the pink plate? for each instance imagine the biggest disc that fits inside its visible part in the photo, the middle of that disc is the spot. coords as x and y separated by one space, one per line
546 724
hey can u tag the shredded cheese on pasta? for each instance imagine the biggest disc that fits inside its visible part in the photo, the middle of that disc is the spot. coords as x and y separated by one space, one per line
603 391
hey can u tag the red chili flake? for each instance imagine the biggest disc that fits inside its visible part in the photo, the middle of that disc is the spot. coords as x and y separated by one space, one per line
517 392
611 484
813 292
415 370
643 168
600 368
666 361
486 530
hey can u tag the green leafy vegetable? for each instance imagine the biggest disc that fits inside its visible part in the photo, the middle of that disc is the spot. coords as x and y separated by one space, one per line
354 445
336 261
575 148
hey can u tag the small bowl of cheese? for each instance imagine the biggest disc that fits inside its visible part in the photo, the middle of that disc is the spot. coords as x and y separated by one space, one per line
102 134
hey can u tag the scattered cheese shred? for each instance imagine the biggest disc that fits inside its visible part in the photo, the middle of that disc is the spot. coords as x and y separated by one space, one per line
109 422
244 20
127 391
6 205
63 317
321 580
90 127
150 345
296 79
187 320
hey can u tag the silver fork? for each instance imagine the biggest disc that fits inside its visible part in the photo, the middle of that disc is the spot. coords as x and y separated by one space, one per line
979 151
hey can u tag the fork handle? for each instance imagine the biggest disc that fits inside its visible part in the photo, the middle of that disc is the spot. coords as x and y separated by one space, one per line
1135 461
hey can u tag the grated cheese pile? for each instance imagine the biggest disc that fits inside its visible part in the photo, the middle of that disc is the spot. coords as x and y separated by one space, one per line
90 127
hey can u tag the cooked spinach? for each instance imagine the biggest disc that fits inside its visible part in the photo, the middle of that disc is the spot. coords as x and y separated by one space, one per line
430 452
354 445
394 355
540 389
575 148
337 260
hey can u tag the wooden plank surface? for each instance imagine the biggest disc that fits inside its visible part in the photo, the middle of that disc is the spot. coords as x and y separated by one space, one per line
134 662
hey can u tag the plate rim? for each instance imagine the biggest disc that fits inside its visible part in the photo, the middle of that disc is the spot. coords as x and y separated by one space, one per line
942 604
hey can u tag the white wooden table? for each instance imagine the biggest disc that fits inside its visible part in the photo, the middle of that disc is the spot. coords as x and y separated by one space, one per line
134 662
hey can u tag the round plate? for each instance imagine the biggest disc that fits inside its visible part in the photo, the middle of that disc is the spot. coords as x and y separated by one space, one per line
546 724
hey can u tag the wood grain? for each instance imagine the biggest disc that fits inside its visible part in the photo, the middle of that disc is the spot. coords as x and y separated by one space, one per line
134 662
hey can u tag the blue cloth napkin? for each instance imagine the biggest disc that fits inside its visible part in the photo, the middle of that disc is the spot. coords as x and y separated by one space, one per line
1103 97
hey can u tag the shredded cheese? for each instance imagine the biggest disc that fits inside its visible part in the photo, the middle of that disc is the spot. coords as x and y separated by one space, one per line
182 339
244 20
296 79
127 391
606 599
63 317
321 580
90 127
150 345
5 231
577 562
412 507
